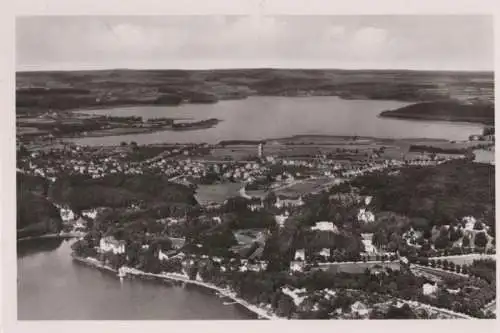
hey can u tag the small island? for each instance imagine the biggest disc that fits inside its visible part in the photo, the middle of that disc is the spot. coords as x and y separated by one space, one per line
202 124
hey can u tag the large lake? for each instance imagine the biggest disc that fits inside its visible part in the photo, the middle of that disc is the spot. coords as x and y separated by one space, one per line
259 118
51 286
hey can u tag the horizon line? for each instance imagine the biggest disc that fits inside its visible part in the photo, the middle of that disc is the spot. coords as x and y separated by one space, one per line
492 71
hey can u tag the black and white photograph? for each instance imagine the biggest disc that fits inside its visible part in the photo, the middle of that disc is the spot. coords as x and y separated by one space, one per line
255 167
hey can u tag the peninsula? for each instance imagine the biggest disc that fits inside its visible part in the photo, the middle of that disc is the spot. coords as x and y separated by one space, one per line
475 112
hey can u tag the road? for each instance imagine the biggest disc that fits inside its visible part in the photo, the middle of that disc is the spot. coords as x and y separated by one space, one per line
491 307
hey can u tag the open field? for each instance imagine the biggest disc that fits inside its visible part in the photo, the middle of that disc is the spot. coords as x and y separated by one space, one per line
304 187
234 152
248 236
484 156
216 193
341 148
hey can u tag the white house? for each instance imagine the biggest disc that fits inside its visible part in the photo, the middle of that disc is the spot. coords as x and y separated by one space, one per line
329 293
257 267
369 248
360 308
162 255
256 205
280 203
300 254
280 220
172 220
295 294
469 221
297 266
66 214
429 289
325 226
80 223
365 216
325 252
411 236
111 244
91 213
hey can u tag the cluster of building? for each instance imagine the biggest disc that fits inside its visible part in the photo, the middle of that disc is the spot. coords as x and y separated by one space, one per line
111 244
75 161
361 308
97 163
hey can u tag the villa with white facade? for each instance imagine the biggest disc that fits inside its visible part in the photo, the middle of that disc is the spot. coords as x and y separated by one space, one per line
300 254
111 244
325 226
280 220
365 216
429 289
66 214
286 202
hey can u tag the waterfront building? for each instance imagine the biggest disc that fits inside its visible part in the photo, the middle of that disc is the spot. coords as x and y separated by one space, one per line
360 308
111 244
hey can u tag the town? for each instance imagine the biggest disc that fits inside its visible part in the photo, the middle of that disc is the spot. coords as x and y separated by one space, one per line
284 228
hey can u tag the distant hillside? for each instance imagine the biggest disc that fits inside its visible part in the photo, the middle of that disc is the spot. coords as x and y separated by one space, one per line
39 91
446 110
36 215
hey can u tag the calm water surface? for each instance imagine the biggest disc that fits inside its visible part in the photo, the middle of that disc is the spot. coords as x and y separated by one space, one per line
52 286
272 117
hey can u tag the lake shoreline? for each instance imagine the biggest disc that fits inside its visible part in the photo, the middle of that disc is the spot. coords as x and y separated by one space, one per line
416 117
128 131
238 121
261 313
149 104
52 236
346 138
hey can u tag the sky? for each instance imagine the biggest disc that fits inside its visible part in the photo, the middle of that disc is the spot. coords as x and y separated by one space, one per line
211 42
